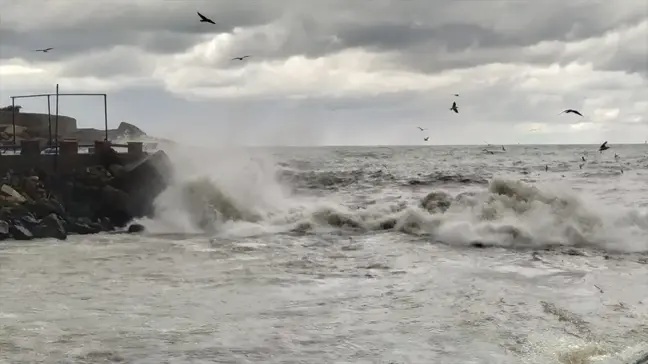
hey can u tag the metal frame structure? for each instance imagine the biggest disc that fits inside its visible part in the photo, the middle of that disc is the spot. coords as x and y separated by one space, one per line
49 113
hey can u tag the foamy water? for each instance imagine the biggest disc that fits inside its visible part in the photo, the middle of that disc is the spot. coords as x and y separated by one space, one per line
341 255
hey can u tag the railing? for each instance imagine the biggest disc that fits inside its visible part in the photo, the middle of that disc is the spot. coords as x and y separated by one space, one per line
70 147
56 116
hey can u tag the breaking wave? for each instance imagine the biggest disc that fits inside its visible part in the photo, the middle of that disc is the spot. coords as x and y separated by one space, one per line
249 194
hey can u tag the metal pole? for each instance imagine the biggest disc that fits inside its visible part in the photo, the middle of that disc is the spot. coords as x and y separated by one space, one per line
13 121
106 116
56 141
49 121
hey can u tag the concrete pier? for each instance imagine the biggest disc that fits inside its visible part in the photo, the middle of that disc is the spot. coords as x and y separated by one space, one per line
69 158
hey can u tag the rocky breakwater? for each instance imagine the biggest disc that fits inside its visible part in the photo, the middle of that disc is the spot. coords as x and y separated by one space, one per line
103 197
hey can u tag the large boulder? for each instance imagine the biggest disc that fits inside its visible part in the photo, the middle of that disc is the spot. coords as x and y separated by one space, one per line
143 181
116 205
50 227
19 232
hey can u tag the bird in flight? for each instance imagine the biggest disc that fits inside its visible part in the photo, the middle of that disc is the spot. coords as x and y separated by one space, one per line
45 50
572 111
454 108
583 158
503 149
240 58
421 129
603 147
204 19
426 139
456 95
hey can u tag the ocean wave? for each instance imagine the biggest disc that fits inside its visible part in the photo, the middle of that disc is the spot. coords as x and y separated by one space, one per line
502 213
332 180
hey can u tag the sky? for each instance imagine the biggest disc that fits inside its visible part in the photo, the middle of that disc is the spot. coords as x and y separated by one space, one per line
338 72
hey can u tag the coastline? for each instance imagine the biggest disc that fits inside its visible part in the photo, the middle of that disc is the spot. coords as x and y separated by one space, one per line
106 195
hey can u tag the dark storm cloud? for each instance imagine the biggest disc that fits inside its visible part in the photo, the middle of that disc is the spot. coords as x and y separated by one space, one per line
429 35
162 27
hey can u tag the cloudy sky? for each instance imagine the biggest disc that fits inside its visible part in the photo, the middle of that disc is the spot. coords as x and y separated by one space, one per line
338 72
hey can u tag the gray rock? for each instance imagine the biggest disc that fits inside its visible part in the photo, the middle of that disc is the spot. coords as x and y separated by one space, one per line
20 232
51 226
136 228
4 230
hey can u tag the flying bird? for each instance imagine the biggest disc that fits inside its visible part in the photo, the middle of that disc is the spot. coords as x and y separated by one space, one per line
426 139
583 159
45 50
603 147
572 111
456 95
204 19
421 129
240 58
503 149
454 108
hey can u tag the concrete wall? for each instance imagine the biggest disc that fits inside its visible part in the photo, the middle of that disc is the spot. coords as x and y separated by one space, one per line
67 160
40 122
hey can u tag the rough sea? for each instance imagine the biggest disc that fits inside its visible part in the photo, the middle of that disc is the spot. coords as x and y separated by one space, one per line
353 255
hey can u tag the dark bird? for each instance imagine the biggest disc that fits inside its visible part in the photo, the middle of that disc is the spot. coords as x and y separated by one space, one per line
45 50
454 108
503 149
421 129
572 111
240 58
426 138
583 159
547 168
456 95
581 165
204 19
603 147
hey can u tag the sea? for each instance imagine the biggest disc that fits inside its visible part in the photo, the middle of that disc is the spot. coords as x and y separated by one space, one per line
400 254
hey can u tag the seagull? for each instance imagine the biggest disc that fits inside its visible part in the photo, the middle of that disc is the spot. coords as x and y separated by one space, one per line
456 95
583 159
204 19
503 149
44 50
581 165
454 108
603 147
426 139
240 58
572 111
421 129
547 168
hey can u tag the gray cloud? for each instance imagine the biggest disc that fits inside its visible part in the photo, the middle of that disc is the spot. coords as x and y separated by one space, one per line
121 38
431 35
166 27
